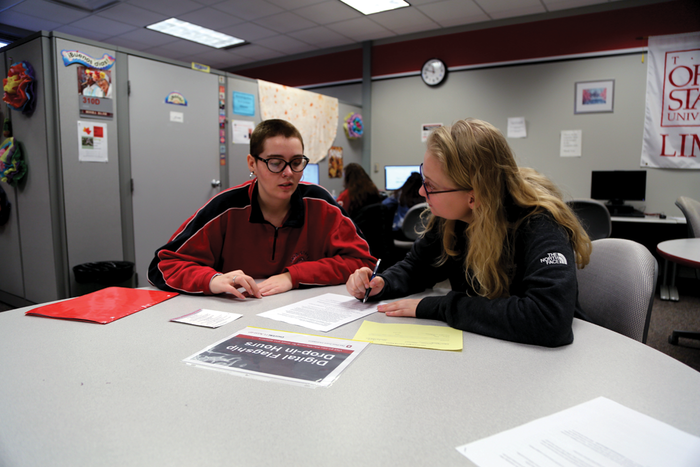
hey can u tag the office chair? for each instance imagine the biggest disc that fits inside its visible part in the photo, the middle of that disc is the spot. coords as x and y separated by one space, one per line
594 217
691 210
412 223
376 223
616 288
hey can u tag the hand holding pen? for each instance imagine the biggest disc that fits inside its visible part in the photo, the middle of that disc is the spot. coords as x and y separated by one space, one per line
374 274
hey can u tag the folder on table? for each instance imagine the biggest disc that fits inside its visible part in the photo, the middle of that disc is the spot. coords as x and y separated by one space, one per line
103 306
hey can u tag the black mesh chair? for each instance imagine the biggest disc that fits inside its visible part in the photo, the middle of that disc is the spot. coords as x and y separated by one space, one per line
376 221
594 217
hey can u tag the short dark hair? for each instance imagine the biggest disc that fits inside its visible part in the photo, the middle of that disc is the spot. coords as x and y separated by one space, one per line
269 129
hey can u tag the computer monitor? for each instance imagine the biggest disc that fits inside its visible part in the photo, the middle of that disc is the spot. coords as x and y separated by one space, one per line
618 186
311 174
396 175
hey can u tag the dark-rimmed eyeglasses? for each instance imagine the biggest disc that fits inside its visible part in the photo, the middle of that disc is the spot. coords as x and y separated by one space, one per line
276 165
428 192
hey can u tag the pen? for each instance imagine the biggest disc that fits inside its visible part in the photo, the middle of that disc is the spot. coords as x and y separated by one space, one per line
376 268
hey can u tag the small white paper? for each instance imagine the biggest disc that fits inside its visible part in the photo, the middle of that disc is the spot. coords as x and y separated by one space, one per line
241 131
177 117
517 127
599 433
92 142
425 130
207 318
570 143
322 313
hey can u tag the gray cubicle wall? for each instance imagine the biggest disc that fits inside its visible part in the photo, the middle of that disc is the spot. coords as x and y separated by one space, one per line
237 166
544 95
91 190
32 268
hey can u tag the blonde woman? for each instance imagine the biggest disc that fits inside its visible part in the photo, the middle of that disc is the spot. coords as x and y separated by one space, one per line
502 236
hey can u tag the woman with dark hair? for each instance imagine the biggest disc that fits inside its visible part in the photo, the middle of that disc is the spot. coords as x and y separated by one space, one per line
501 234
360 190
404 199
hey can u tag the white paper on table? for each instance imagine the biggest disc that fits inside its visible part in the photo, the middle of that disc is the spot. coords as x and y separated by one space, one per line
207 318
322 313
599 433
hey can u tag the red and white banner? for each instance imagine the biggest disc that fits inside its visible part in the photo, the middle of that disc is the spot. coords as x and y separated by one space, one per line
672 116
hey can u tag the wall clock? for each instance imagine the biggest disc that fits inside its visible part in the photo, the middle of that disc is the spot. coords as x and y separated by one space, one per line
433 72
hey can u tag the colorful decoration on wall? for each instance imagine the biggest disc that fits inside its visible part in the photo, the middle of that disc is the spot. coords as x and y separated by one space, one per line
175 98
75 56
19 87
353 125
12 165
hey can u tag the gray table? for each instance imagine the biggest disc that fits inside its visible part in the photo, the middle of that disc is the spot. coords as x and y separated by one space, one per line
82 394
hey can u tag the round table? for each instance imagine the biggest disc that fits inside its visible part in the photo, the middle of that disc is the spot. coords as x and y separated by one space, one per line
684 251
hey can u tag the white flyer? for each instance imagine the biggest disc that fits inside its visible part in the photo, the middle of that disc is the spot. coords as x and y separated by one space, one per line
322 313
207 318
92 142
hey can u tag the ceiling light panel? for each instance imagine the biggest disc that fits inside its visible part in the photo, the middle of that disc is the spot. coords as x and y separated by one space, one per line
368 7
194 33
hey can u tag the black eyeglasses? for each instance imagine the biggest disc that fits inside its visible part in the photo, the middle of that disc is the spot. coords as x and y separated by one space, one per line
275 165
428 192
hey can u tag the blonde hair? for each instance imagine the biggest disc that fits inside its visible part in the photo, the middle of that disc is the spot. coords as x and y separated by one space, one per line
475 156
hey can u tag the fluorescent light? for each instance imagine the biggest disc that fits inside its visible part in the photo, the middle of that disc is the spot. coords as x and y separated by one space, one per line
367 7
192 32
3 43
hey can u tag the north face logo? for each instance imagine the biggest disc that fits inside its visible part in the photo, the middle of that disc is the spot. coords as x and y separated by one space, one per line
554 258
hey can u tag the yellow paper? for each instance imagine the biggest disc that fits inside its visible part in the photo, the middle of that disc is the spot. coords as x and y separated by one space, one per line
410 335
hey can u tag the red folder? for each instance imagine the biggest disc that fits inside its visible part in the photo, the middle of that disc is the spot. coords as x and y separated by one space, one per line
103 306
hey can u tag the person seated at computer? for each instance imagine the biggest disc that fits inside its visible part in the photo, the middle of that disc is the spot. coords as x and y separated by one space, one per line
360 190
502 236
404 199
269 227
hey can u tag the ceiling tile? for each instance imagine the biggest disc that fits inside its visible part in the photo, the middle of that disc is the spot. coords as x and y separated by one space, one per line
148 38
186 47
120 41
361 29
454 12
286 44
256 52
104 25
84 33
509 8
248 9
171 8
294 4
130 14
285 22
404 20
50 11
321 37
328 12
31 23
249 31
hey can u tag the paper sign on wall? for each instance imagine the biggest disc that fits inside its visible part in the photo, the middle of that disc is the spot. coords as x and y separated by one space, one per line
243 104
517 127
241 131
570 144
425 130
92 142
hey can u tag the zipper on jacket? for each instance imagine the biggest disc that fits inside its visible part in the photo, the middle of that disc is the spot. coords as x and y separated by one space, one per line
274 243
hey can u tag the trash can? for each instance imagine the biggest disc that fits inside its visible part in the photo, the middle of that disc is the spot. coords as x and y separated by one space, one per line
91 277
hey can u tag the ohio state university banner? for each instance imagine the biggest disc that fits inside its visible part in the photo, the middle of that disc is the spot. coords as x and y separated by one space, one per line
672 116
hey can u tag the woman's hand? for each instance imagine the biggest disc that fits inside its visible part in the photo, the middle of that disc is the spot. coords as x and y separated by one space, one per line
231 281
406 307
359 282
276 284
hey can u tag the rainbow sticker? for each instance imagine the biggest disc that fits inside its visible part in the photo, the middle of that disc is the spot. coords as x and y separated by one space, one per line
175 98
